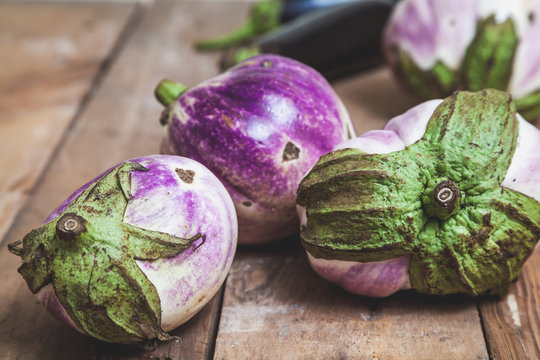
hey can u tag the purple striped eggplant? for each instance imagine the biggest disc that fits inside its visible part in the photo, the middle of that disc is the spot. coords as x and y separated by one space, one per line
134 253
438 46
259 127
445 199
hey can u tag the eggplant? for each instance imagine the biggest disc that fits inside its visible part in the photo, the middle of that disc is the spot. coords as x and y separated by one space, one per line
444 199
436 47
292 9
264 17
135 252
337 41
259 127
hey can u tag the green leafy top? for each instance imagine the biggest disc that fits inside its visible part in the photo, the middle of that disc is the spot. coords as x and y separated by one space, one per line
88 254
487 63
439 200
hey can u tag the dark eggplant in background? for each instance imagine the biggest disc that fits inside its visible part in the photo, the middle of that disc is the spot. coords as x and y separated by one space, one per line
265 16
338 38
292 9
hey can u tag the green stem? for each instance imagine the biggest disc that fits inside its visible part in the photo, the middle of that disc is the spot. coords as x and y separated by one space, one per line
263 17
168 91
235 56
441 198
243 33
245 53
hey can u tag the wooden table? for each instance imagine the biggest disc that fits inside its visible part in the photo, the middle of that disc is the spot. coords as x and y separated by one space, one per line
76 96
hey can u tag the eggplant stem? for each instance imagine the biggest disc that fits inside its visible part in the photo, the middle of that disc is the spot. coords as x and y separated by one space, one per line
168 91
243 33
15 249
263 17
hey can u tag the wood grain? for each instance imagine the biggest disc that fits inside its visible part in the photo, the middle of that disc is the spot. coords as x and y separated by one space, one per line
121 121
512 323
50 56
276 307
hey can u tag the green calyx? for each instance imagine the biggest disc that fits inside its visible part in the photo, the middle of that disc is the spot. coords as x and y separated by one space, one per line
487 63
263 17
88 254
440 81
438 200
489 59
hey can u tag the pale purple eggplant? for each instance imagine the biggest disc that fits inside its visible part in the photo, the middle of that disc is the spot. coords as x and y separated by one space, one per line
438 46
259 127
390 272
135 252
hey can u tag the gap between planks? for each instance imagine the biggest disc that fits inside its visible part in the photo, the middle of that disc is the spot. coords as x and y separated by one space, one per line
39 167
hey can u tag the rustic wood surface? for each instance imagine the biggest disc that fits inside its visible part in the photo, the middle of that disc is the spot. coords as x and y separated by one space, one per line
275 306
77 97
512 324
50 56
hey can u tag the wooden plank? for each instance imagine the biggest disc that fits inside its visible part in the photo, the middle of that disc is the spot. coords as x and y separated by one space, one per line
512 324
276 307
120 122
50 55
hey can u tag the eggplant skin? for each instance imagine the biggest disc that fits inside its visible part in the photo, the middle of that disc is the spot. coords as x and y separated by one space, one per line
291 9
259 127
135 252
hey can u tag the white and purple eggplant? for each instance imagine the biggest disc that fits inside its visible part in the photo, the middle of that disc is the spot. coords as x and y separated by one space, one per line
134 253
438 46
259 127
445 199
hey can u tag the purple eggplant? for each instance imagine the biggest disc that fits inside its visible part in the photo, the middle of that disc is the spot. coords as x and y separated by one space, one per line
259 127
135 252
437 46
444 199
